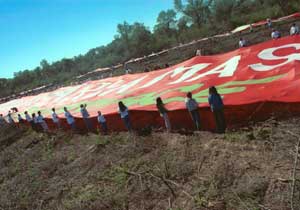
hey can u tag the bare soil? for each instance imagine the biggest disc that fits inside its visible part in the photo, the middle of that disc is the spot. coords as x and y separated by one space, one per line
250 168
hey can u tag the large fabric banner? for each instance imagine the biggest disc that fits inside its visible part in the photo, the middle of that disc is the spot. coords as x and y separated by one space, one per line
249 79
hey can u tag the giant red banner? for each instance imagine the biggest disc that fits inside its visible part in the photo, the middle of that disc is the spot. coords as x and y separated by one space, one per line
254 82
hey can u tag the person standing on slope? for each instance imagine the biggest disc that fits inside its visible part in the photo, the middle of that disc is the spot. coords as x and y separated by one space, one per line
86 117
36 125
55 119
20 119
217 107
2 120
42 122
10 119
29 120
163 113
70 119
192 107
124 113
102 122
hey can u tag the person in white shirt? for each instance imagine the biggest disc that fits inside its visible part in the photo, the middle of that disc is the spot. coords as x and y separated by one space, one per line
192 107
86 117
42 122
198 52
242 43
102 122
275 34
294 30
70 119
123 111
55 119
29 120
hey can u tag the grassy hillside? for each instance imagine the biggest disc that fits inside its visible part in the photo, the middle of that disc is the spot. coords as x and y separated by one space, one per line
250 168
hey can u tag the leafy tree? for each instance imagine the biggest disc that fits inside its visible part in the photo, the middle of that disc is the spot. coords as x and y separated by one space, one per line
197 11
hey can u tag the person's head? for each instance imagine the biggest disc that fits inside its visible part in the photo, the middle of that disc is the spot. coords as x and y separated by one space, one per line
33 114
19 115
294 24
53 109
99 113
213 90
189 95
122 107
159 100
241 39
1 115
81 105
39 112
25 112
65 109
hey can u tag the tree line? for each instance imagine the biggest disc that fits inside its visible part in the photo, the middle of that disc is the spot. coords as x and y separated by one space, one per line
188 20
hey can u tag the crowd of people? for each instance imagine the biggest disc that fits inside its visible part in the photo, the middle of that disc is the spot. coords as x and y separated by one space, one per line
38 123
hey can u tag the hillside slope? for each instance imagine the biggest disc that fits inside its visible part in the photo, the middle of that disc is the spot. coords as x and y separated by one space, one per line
250 168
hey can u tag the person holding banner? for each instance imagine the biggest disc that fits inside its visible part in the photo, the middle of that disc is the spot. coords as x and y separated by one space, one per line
102 122
192 107
55 119
163 113
86 117
29 120
10 119
217 107
124 113
70 119
42 122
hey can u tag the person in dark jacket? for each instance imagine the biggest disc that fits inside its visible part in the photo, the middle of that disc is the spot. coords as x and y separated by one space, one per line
124 113
217 107
192 107
86 117
163 112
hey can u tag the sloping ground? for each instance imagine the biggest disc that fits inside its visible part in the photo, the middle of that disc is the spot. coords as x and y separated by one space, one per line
249 168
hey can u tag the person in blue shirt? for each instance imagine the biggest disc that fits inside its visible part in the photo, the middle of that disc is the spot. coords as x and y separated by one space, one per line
217 107
70 119
42 122
192 106
86 117
102 121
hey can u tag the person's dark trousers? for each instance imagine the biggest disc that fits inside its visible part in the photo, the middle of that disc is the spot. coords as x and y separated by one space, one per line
32 125
220 120
88 124
196 118
104 127
126 120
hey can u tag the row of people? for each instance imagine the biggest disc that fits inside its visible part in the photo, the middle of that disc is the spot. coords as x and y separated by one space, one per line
275 34
38 122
